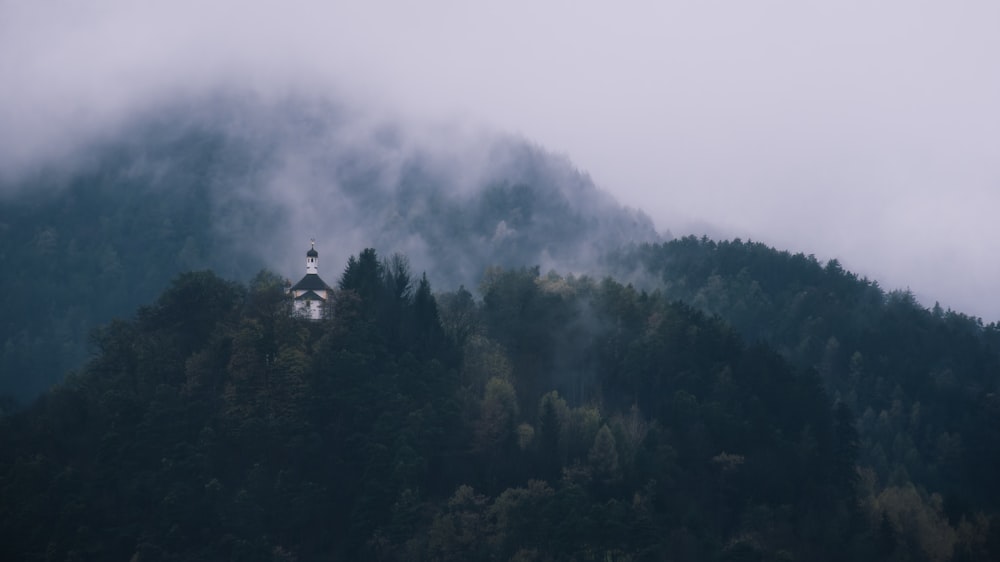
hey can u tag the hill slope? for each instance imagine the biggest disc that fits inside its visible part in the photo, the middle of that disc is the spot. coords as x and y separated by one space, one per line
923 383
215 425
237 184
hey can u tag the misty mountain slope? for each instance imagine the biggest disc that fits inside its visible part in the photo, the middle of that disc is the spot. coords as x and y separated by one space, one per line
236 183
79 249
454 201
923 383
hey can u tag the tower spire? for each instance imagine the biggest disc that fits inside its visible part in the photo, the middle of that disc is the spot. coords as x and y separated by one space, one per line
312 258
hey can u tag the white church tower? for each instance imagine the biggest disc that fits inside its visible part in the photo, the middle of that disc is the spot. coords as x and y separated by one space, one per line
311 293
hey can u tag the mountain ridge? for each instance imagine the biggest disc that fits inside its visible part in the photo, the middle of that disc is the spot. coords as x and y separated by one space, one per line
238 184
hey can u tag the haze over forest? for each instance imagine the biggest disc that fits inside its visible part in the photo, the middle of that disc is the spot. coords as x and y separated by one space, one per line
657 282
850 131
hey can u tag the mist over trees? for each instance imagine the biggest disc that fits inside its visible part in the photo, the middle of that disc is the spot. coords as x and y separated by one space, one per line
235 183
575 386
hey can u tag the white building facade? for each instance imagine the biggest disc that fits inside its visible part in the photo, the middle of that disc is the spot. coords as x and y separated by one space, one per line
311 293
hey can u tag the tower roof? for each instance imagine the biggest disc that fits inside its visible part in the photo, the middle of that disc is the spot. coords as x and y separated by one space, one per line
312 253
311 282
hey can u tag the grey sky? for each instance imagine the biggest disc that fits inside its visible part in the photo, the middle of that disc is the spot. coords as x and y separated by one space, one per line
867 131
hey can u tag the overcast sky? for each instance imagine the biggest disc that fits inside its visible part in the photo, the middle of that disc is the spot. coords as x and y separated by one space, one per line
862 130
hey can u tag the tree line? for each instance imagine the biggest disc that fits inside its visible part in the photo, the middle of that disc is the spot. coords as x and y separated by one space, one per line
547 418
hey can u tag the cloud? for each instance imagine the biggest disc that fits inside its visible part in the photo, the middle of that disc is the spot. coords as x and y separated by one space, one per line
862 131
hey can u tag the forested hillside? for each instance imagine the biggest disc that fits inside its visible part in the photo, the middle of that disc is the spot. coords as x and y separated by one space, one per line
553 418
923 383
80 250
235 183
706 400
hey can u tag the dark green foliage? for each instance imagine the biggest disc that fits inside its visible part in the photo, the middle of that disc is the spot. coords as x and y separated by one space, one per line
920 382
363 275
216 425
557 419
915 387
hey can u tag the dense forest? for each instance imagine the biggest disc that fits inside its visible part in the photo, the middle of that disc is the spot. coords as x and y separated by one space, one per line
550 418
923 382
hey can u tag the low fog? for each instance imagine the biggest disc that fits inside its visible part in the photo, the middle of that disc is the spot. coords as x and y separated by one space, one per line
867 133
